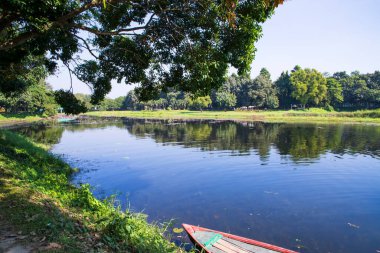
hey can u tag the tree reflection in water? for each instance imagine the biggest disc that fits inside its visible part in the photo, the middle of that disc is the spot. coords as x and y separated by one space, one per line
298 141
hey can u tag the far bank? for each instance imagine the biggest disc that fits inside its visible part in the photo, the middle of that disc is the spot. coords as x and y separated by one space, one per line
313 115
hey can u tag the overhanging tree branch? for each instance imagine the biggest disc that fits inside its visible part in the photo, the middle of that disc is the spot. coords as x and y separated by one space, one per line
111 33
61 21
87 46
21 39
165 43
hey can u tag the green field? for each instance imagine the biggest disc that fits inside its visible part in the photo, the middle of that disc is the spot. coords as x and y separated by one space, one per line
40 207
15 118
299 116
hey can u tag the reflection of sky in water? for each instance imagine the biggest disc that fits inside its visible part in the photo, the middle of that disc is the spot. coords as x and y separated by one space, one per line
268 197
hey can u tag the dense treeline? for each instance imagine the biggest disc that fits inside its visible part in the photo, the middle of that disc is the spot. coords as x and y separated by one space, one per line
300 88
339 90
236 91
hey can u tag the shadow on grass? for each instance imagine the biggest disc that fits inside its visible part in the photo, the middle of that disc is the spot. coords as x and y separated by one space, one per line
40 222
26 172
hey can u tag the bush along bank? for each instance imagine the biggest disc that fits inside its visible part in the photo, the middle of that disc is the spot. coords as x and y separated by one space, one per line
40 205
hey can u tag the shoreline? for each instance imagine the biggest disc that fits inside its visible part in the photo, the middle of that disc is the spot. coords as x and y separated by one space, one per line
314 115
9 121
263 116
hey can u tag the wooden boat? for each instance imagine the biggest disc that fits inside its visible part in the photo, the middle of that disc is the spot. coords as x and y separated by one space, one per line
212 241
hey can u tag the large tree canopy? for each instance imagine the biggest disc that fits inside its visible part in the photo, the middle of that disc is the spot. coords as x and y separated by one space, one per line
159 44
309 86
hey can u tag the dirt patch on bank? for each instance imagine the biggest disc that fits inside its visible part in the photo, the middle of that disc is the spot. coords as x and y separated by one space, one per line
12 241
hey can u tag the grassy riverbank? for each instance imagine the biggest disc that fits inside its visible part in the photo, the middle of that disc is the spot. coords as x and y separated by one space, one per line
16 118
42 209
311 115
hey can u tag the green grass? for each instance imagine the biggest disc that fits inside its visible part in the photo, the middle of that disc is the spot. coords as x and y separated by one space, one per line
12 118
311 115
37 199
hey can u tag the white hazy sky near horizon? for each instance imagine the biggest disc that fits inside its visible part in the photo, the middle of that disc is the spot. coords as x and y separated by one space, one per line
328 35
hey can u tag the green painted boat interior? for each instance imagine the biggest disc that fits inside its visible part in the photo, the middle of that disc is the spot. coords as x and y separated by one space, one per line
211 239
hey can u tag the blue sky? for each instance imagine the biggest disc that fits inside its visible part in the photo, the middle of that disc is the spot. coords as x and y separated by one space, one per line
328 35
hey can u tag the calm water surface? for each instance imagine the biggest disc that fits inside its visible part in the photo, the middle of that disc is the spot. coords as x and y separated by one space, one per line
311 188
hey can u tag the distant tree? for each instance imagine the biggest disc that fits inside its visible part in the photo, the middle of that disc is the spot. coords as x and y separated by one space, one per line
334 92
265 73
309 86
262 92
373 84
225 99
239 86
297 67
39 98
118 102
86 99
182 103
232 83
373 80
284 91
36 98
131 101
243 88
345 81
175 100
358 88
160 103
106 105
200 103
355 89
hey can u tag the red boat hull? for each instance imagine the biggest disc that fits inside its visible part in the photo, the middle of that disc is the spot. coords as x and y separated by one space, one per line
190 229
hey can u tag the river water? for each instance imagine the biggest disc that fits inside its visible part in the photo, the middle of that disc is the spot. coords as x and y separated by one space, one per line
310 188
